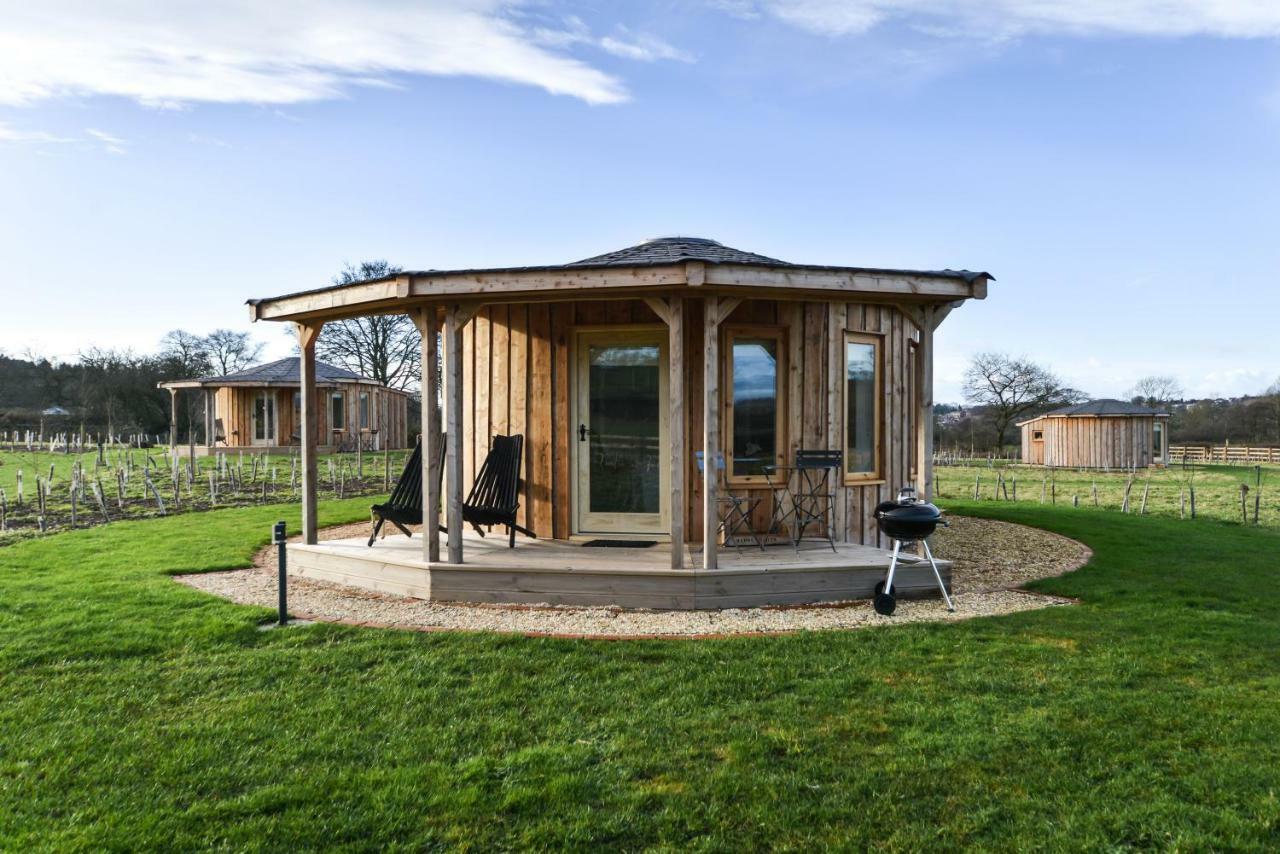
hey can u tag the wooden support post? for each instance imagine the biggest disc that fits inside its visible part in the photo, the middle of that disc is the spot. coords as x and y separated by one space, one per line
924 407
210 418
711 430
455 319
307 335
675 389
429 327
173 419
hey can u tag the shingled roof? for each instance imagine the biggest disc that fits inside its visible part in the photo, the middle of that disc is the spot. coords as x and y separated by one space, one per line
1102 407
672 250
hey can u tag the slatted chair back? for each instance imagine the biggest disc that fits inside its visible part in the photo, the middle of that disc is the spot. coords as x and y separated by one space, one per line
497 485
408 492
818 459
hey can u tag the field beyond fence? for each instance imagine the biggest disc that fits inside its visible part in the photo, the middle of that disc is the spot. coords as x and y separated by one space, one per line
1228 493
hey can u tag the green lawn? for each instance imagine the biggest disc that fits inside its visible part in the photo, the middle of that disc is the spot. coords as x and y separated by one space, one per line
137 713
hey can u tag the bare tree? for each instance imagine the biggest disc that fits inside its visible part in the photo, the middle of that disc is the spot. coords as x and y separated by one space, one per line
1011 387
185 354
230 350
1156 391
383 347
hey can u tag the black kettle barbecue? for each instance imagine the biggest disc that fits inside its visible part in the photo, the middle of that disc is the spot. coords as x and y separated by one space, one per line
907 520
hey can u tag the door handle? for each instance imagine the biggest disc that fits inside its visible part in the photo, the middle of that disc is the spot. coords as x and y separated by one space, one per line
582 432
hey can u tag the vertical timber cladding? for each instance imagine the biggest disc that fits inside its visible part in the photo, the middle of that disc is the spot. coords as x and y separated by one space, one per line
517 379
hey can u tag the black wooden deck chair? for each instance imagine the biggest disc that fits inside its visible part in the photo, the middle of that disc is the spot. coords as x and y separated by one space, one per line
818 475
404 507
495 495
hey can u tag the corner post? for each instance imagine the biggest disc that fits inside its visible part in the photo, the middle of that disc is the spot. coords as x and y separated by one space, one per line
173 419
307 335
429 326
675 438
210 417
711 429
455 318
924 407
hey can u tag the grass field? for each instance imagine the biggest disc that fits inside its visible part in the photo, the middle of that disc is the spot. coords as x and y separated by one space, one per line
245 479
1217 488
139 713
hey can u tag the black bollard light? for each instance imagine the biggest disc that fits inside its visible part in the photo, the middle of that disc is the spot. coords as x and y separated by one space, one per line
278 538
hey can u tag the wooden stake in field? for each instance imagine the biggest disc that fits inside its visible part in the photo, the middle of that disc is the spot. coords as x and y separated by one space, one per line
1182 503
1244 511
1146 487
1193 500
977 485
102 500
1128 487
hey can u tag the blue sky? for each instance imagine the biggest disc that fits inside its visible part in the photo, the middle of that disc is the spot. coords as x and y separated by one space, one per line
1116 165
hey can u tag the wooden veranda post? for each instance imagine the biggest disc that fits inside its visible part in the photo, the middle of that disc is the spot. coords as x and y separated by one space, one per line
924 407
671 311
711 429
455 318
210 417
307 335
429 326
173 418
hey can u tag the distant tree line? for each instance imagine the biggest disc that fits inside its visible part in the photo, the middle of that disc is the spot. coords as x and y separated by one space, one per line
114 391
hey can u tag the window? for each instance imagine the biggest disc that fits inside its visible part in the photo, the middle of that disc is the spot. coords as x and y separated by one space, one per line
364 410
337 411
755 400
1037 435
1157 441
862 423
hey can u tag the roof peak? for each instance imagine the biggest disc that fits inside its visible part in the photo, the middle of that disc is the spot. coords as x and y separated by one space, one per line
675 249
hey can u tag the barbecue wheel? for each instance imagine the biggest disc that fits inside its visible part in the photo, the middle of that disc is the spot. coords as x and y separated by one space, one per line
884 604
893 591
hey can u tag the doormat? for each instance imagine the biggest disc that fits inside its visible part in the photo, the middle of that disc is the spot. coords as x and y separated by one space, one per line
618 544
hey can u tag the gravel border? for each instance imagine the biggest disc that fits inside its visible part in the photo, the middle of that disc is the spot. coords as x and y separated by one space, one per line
991 559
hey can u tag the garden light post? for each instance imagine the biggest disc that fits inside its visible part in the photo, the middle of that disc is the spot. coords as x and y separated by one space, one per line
278 537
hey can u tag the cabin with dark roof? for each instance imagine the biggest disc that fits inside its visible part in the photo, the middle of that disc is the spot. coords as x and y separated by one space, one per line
622 372
1101 434
260 408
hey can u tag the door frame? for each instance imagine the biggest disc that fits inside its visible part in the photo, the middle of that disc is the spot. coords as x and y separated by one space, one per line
274 419
623 524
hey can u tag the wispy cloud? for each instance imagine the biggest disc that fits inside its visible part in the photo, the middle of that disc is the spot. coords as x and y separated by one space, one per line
288 51
90 138
9 133
642 47
997 19
111 144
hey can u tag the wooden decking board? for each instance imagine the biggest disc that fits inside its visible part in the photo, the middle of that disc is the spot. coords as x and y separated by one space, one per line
560 572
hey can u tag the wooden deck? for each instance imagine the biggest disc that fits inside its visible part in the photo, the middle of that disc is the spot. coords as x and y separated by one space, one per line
565 572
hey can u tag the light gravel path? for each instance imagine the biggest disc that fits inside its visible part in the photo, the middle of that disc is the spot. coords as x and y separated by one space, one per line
990 560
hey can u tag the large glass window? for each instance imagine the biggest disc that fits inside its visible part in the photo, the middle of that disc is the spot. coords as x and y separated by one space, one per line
862 407
755 433
337 411
364 410
1157 441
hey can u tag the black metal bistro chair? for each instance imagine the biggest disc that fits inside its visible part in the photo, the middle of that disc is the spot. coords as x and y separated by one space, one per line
733 511
811 501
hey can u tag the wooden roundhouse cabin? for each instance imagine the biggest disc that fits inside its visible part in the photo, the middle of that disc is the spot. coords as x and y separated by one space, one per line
260 409
1101 434
618 370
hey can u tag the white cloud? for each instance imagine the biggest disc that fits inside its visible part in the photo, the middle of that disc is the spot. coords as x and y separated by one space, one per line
110 143
1009 18
279 52
9 133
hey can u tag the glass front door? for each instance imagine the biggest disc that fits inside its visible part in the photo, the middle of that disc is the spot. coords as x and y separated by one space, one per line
620 436
264 418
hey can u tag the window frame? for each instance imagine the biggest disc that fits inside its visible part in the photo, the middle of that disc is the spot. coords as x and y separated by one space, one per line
730 332
333 425
364 415
1037 435
877 341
